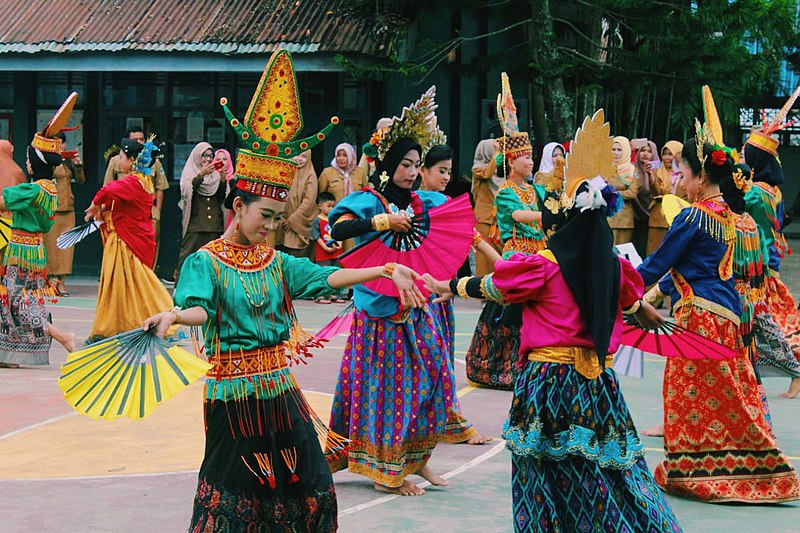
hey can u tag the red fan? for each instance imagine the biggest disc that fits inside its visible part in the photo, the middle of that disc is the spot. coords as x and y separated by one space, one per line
437 244
340 324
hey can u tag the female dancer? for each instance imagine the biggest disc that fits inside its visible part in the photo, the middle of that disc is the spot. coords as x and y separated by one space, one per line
717 440
264 468
129 290
569 425
624 181
495 343
395 390
25 329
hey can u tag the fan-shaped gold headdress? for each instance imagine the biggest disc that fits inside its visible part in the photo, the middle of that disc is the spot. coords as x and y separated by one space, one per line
590 153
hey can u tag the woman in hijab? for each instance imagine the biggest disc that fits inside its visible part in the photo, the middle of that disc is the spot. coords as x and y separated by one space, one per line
202 194
628 187
343 176
227 174
663 181
301 209
551 153
485 184
647 162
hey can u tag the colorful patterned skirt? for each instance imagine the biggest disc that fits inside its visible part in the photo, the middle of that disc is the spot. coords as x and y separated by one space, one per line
784 312
264 468
458 428
494 351
24 334
718 443
577 461
393 396
774 356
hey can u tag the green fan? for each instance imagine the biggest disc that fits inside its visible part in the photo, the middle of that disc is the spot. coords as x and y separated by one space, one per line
127 375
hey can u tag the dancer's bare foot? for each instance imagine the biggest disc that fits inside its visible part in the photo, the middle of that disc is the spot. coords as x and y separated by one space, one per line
408 488
794 389
657 431
432 478
478 439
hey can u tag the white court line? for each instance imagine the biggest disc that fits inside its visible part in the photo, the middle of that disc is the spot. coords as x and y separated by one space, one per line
463 468
37 425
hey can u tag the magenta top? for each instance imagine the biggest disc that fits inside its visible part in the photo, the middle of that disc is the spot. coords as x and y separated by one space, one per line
550 315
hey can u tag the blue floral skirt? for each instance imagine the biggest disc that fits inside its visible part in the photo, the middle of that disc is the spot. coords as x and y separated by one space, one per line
577 461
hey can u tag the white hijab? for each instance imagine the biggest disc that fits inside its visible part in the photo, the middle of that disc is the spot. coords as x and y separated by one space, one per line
546 164
192 168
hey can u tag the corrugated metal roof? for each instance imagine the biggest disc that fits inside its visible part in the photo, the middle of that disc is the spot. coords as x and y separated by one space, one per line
210 26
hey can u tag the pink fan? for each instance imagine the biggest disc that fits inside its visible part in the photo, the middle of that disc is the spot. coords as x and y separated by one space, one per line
437 244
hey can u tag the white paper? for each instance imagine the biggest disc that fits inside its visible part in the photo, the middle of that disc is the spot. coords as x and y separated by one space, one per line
628 251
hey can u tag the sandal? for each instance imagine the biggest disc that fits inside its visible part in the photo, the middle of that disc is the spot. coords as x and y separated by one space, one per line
322 301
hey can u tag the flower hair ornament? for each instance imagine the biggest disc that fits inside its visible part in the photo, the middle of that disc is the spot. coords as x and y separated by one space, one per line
741 179
417 121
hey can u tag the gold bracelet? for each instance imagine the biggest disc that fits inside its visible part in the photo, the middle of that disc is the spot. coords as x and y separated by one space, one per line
381 222
177 312
388 270
461 287
633 309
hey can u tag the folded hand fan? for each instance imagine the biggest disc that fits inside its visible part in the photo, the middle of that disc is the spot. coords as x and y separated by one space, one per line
75 235
438 243
672 340
127 375
5 232
340 324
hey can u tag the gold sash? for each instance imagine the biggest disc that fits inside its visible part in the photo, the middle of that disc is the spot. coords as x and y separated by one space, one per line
584 359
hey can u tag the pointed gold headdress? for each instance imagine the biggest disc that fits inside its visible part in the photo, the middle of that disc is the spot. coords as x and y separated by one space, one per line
46 140
267 134
513 143
763 139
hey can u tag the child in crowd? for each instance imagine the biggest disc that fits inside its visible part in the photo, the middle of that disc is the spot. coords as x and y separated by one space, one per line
326 250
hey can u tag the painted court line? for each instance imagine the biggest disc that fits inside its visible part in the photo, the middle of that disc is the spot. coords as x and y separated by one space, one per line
497 448
37 425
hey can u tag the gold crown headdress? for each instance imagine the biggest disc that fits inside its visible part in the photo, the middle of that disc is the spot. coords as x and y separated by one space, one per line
417 121
710 131
266 136
46 140
763 139
513 142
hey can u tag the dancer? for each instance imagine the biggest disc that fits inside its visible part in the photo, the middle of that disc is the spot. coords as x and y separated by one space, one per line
25 327
263 468
495 343
765 204
717 441
129 291
624 181
435 173
395 388
577 461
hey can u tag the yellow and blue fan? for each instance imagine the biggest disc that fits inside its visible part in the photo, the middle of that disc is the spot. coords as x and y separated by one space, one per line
127 375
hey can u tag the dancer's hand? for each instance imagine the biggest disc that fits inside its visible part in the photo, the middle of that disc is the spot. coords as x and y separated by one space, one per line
440 287
161 321
93 212
404 278
399 223
648 317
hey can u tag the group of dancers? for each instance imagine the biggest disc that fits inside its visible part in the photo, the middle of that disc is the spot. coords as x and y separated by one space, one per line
552 323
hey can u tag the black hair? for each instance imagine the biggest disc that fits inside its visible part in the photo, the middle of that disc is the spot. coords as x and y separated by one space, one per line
716 173
559 147
42 169
247 197
325 196
732 194
437 154
135 129
61 136
131 148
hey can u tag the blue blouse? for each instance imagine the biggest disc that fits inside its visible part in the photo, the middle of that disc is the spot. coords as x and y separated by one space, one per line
365 205
696 256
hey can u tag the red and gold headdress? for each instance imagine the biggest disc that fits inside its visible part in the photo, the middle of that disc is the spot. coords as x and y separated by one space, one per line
763 139
267 134
513 143
46 140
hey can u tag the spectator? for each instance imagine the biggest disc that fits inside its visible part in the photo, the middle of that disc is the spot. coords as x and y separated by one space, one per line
228 174
301 208
363 163
202 196
343 176
160 184
327 250
59 262
485 183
